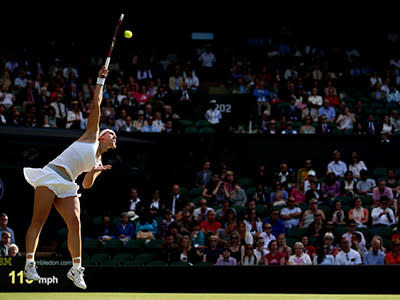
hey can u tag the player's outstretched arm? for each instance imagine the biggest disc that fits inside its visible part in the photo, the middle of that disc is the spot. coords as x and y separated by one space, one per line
92 130
91 176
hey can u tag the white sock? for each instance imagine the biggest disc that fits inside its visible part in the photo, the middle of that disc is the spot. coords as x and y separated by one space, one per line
78 264
30 260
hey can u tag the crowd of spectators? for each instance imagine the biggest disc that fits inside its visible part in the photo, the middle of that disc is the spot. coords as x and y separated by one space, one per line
288 89
340 214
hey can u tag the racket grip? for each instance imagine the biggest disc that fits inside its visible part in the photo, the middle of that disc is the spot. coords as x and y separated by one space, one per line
107 62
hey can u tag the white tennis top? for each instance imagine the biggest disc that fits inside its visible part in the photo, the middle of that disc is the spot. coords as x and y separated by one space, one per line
78 158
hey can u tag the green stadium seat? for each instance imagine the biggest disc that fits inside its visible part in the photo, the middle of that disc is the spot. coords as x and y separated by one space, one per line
345 200
262 211
144 258
92 245
122 258
195 192
97 220
116 220
179 264
348 132
383 231
113 245
291 241
135 246
340 230
326 209
157 263
133 263
202 123
366 232
207 130
204 264
295 232
246 182
366 200
154 245
186 123
98 258
191 130
379 172
250 191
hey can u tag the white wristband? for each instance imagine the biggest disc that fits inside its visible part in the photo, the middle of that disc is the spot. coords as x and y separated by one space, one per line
100 81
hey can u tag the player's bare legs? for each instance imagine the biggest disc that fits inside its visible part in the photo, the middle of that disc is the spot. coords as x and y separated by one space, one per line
43 201
69 209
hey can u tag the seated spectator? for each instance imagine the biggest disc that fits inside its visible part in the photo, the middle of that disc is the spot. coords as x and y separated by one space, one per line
359 214
139 123
315 99
170 250
323 257
200 213
125 230
356 245
210 226
150 127
308 248
349 234
395 121
261 95
299 257
267 234
356 165
383 215
311 177
283 247
382 190
315 229
337 166
210 187
240 87
309 214
225 259
298 193
164 224
338 216
213 114
204 176
245 236
7 99
309 113
4 227
13 250
313 192
134 201
348 185
254 225
176 200
329 242
189 254
291 214
393 257
277 191
332 97
375 256
220 193
307 128
277 224
249 258
260 251
197 236
346 120
260 197
185 223
330 187
238 196
302 173
274 257
328 111
234 246
365 185
212 252
146 227
393 183
222 213
347 256
289 129
224 234
5 243
106 230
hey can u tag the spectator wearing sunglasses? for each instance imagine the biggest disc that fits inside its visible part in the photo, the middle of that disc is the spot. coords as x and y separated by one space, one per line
323 257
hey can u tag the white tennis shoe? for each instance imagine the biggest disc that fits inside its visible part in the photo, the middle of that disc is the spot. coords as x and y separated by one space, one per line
76 275
30 272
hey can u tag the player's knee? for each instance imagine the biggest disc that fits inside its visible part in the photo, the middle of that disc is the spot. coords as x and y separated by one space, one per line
37 222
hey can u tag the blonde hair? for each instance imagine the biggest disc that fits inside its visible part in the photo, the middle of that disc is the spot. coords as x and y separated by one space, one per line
14 246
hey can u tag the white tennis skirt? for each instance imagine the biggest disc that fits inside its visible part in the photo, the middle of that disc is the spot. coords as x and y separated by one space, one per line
49 178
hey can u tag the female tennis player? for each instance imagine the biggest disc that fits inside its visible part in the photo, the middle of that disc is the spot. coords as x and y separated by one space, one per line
55 184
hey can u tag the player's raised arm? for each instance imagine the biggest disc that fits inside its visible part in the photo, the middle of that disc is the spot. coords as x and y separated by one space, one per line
92 129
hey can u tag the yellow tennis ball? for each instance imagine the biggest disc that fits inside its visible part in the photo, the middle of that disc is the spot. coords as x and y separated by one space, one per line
128 34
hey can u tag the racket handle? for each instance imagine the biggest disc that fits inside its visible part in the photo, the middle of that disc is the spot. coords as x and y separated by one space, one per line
107 62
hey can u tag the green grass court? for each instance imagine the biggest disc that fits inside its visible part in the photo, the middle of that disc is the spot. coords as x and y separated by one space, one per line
148 296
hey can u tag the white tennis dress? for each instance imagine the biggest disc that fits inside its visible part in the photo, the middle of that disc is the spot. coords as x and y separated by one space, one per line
79 157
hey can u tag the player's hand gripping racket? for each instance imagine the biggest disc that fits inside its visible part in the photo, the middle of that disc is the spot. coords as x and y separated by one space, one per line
114 39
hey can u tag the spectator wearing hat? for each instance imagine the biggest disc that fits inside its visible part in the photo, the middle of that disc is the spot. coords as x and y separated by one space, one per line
311 177
337 166
125 230
213 114
4 227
